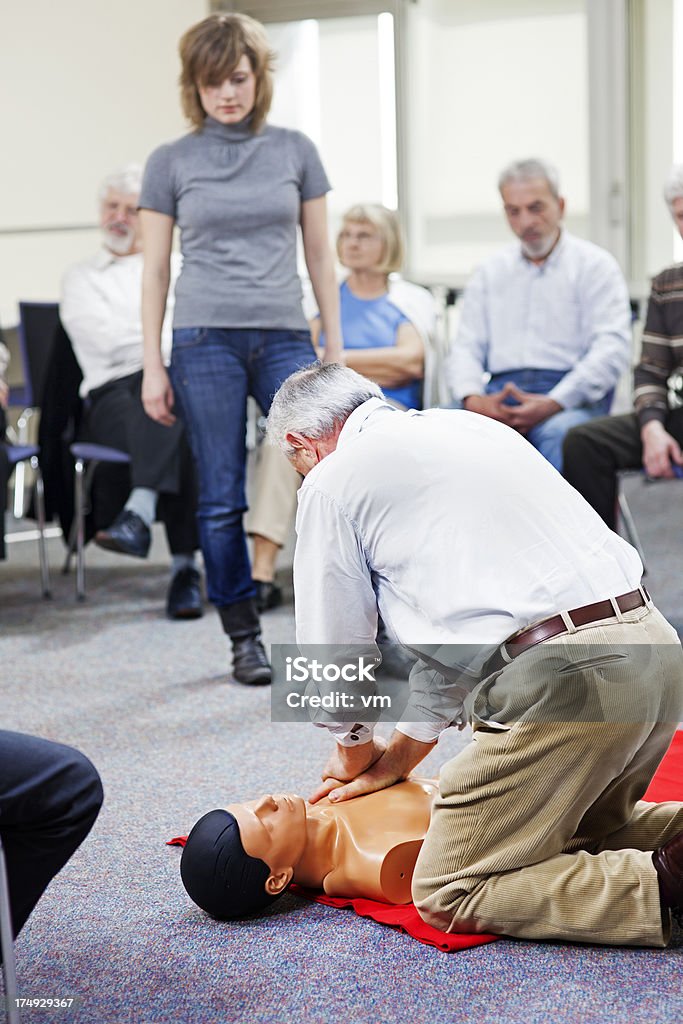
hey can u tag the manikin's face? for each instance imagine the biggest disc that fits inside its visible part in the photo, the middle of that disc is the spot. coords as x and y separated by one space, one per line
119 222
273 829
534 214
360 245
677 214
231 100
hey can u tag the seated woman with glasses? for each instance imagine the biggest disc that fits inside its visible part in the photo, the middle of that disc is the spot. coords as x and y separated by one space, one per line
386 325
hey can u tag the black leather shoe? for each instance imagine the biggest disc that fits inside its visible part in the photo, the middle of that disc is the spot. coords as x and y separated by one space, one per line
268 595
128 534
249 662
184 599
668 862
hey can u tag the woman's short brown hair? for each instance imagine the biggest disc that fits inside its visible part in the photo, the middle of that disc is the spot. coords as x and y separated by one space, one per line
211 50
387 223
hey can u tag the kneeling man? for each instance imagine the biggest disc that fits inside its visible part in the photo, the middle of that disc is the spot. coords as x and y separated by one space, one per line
529 620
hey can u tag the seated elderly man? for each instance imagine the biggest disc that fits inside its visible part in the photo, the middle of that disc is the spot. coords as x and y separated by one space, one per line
528 619
100 309
548 320
652 436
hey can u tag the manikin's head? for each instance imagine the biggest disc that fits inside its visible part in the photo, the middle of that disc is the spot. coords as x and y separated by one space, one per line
533 205
673 195
239 860
119 195
310 409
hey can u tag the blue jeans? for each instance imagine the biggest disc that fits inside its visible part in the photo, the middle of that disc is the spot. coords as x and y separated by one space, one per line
547 437
213 370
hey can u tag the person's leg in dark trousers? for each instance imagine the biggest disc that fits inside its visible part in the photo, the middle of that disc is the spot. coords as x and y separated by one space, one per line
115 417
212 372
596 451
159 484
50 796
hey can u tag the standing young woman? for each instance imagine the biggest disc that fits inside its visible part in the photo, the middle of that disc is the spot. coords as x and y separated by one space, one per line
238 188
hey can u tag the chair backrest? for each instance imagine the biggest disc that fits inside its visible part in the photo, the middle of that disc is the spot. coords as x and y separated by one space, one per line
38 326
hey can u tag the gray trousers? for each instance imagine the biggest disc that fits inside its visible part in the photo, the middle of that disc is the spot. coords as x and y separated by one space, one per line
539 830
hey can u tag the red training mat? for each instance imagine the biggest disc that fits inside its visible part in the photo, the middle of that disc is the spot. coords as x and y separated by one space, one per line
668 781
666 785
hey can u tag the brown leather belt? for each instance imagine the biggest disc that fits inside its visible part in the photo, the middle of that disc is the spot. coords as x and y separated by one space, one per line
520 642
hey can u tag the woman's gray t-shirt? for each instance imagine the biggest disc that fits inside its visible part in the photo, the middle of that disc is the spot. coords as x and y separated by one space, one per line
236 198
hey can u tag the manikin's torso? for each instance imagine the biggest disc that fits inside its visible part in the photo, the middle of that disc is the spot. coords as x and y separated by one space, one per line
378 838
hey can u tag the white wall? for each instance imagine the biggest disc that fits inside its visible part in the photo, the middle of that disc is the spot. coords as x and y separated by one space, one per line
92 85
656 144
327 85
89 85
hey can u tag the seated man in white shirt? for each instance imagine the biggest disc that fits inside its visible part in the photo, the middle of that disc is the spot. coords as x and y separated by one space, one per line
548 320
529 621
101 311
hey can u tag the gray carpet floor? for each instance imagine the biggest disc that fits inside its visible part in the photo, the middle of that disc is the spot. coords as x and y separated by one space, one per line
152 704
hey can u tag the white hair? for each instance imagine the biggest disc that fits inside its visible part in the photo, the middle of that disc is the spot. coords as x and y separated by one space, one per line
127 179
527 170
315 401
673 186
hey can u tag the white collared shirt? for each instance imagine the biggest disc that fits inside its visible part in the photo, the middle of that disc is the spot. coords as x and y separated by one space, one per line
571 313
452 526
101 311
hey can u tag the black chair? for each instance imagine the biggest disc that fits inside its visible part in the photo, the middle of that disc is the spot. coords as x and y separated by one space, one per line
38 327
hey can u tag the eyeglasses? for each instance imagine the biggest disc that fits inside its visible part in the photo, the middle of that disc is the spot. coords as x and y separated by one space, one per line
364 237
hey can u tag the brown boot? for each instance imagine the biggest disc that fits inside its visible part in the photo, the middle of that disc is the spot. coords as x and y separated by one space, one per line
668 862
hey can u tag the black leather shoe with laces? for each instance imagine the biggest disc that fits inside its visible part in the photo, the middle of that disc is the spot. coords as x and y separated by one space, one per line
668 862
268 595
249 662
128 534
184 600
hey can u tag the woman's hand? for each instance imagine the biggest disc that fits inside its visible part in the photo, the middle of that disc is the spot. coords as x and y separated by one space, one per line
320 266
157 396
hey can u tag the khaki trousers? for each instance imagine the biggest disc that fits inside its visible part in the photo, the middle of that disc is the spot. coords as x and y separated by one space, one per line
539 830
271 513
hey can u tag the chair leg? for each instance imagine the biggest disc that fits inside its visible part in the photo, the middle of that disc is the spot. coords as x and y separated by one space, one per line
40 509
19 496
630 527
79 511
9 967
71 546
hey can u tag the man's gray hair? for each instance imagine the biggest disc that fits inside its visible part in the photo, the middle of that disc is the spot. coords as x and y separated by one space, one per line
673 186
315 401
127 179
527 170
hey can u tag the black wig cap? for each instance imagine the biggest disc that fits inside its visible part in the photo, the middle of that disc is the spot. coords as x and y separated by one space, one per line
218 875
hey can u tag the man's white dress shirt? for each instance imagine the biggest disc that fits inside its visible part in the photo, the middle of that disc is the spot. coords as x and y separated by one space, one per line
101 312
452 526
571 313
